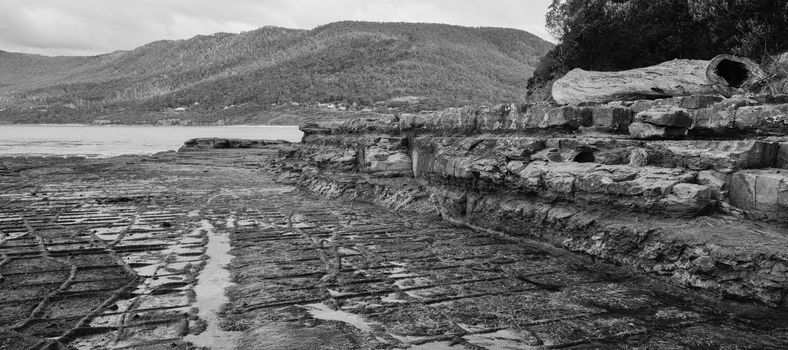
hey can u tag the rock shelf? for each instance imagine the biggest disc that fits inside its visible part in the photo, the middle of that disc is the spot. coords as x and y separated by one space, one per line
107 253
694 189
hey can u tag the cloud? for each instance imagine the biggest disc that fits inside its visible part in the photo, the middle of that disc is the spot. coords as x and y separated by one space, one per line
88 27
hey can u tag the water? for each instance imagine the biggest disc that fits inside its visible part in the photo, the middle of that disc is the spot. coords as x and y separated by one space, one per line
323 312
109 141
209 291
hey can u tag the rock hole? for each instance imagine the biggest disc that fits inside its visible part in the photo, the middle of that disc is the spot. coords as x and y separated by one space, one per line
734 73
584 157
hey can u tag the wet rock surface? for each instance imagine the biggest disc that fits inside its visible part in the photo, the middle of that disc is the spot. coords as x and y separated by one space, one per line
117 253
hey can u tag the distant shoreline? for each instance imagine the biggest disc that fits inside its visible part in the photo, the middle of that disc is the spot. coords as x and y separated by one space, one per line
154 125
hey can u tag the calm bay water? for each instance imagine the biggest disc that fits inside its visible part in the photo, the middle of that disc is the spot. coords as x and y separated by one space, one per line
108 141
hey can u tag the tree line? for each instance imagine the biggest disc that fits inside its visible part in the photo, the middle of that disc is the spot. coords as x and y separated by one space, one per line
609 35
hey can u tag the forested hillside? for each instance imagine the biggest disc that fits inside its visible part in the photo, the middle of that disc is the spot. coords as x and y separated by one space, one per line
272 72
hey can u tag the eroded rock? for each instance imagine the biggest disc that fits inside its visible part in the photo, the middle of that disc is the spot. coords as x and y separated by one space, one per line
763 194
646 131
665 116
538 167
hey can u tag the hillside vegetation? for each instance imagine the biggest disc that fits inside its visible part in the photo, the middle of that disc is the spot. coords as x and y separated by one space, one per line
612 35
260 75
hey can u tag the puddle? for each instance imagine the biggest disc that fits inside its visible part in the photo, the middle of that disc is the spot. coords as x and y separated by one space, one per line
322 312
210 297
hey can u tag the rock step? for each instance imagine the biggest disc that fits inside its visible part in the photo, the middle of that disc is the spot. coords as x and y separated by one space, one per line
381 155
716 253
662 191
670 178
673 118
690 154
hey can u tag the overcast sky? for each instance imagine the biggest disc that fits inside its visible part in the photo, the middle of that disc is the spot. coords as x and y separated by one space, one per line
89 27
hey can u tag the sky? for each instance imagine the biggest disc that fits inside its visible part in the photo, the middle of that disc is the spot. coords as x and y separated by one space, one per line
91 27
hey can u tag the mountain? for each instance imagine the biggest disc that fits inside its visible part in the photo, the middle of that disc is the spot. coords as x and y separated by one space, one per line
255 76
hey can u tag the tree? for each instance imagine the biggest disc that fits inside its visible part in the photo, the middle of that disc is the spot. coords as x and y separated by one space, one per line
623 34
751 28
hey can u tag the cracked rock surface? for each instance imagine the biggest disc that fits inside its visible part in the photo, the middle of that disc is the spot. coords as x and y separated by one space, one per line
130 253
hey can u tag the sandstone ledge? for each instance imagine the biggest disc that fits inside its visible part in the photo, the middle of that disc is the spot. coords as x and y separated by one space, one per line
694 188
736 258
696 116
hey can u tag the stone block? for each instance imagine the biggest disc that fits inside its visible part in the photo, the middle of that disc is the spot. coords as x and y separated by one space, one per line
715 120
499 118
762 193
699 101
686 199
646 131
716 181
642 105
452 121
568 117
763 120
691 191
610 119
665 116
702 155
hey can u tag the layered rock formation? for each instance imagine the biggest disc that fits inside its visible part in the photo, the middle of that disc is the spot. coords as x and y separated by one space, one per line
693 188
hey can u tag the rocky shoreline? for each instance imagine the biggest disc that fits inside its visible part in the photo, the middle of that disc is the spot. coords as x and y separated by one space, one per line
122 253
693 189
